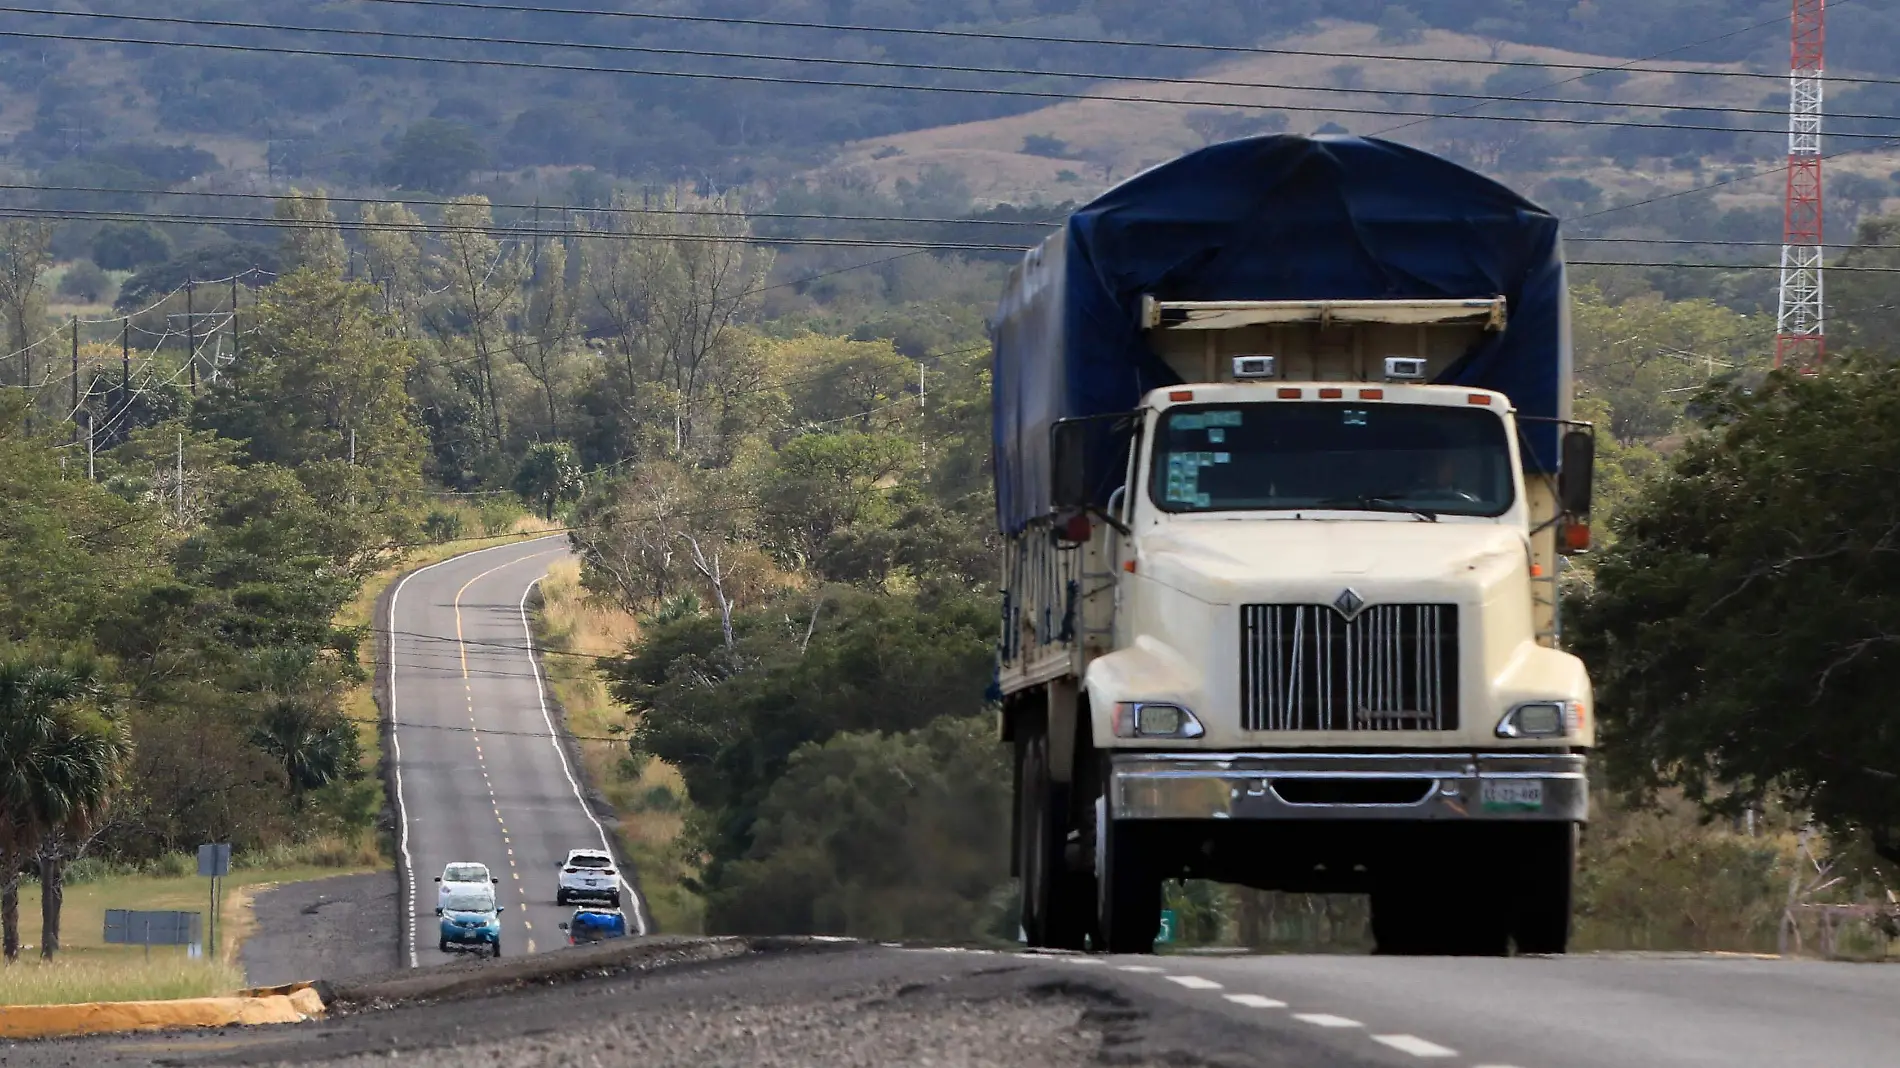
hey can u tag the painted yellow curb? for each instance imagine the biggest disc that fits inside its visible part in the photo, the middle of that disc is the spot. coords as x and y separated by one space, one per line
281 1005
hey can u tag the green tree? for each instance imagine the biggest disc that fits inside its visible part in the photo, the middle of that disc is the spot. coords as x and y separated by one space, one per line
549 475
882 836
821 491
800 671
1743 628
129 246
433 155
58 769
315 746
322 381
1644 356
311 238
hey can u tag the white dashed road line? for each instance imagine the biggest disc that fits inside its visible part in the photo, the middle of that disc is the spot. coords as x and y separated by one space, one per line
1139 969
1194 982
1255 1001
1414 1045
1325 1019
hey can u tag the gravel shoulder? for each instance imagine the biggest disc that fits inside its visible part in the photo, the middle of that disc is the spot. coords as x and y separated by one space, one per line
744 1004
333 929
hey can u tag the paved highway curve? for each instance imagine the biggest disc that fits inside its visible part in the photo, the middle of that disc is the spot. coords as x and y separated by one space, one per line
479 775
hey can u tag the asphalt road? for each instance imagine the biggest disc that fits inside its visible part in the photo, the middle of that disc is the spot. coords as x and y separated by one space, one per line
480 775
698 1003
333 928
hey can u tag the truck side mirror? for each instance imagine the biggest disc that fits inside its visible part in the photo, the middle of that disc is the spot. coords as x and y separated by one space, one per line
438 912
1068 464
1577 473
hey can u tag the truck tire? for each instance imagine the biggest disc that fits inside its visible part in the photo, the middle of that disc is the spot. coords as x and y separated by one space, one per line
1418 912
1054 915
1546 866
1128 899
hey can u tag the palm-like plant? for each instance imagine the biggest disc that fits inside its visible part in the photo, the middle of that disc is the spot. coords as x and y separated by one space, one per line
315 748
79 774
32 698
58 769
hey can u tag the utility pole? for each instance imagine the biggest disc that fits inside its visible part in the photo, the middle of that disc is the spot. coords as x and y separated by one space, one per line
234 322
180 478
75 407
191 337
1800 335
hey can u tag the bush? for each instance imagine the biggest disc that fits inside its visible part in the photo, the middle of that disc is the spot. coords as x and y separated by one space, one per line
442 526
85 282
498 515
127 247
1045 145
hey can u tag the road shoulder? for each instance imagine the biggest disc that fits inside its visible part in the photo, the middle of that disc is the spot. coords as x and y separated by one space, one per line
332 929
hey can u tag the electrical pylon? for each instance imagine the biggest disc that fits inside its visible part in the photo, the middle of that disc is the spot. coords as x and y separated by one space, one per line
1800 334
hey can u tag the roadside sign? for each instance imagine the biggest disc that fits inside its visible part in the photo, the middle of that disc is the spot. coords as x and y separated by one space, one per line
135 927
214 861
1167 926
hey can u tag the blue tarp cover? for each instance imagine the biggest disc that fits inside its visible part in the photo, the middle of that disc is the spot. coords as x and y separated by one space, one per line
1268 218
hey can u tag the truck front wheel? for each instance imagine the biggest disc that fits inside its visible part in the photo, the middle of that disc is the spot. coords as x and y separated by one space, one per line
1129 891
1054 914
1546 866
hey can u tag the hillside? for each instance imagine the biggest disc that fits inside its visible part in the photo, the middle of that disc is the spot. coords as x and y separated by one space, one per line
1069 151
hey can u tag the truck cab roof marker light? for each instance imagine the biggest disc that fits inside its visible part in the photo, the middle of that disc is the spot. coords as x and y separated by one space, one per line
1478 398
1331 393
1372 394
1181 395
1291 393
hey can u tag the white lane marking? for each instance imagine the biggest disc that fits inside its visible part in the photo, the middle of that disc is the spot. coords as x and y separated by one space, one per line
1415 1045
1255 1001
395 736
1138 969
541 694
1322 1019
1194 982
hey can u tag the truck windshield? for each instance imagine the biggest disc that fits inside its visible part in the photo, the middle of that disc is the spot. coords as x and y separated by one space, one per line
1425 459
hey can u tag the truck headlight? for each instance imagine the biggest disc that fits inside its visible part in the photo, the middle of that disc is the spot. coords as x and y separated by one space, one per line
1155 719
1541 719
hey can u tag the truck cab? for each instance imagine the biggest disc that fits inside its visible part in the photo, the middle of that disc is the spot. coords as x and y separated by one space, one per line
1310 643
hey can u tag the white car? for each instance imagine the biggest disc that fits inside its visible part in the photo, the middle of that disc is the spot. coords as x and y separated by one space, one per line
588 874
462 875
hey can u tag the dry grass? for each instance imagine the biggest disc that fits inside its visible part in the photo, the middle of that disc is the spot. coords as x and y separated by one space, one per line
166 976
89 970
572 621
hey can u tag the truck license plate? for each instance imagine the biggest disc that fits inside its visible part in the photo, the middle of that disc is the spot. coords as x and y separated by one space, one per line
1512 794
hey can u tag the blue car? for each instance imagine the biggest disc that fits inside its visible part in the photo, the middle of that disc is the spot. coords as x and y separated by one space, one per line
592 924
470 920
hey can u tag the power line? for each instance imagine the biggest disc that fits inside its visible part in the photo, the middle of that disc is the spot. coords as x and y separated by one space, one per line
879 64
990 91
557 208
917 246
1778 168
501 229
979 35
1616 67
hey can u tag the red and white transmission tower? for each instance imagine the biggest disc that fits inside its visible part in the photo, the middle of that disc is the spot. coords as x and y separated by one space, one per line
1800 339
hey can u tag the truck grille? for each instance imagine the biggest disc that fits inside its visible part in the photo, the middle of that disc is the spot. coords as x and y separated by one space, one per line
1304 667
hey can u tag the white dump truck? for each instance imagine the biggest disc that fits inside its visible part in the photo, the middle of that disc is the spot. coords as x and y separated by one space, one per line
1286 474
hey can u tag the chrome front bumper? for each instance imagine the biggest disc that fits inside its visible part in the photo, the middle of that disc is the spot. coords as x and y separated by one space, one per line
1543 787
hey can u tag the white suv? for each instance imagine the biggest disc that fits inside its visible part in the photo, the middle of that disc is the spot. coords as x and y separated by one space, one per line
588 874
461 875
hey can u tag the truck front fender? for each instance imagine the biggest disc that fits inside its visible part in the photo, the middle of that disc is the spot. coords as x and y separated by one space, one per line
1148 670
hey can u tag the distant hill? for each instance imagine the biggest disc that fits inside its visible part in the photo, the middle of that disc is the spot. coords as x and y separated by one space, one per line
343 119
